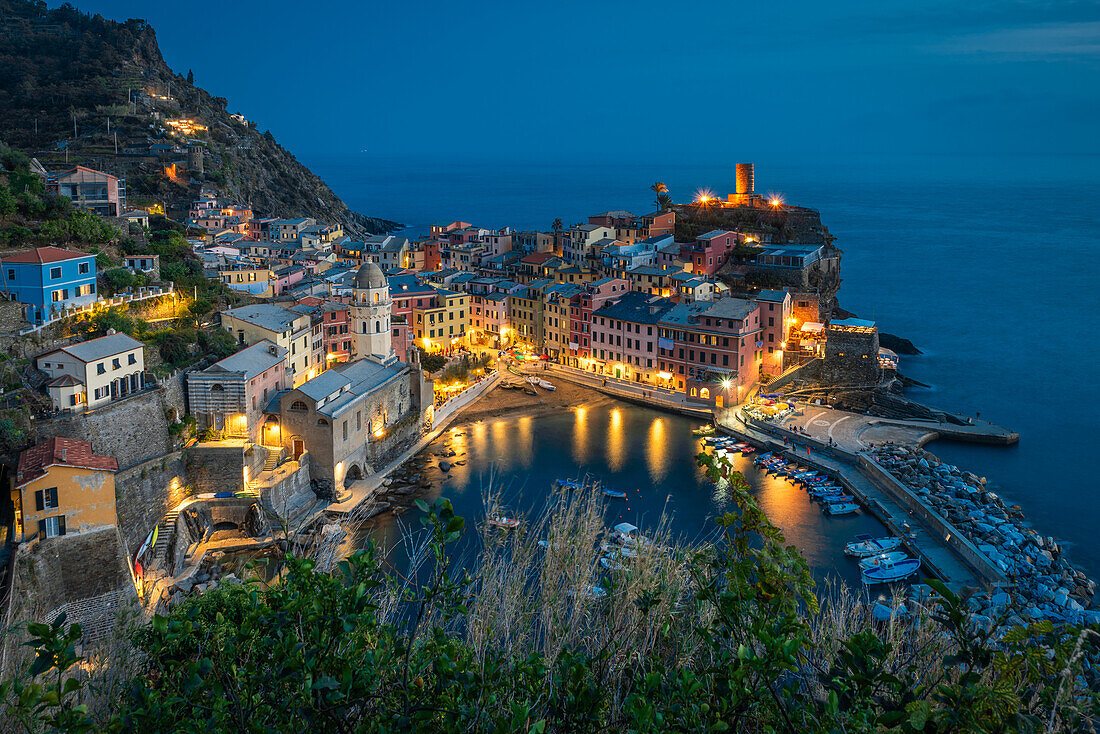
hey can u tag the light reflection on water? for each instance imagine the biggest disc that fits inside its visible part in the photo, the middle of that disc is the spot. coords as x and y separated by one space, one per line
647 454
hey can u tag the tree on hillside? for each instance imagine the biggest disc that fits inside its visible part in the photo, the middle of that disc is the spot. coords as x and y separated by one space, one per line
664 202
557 225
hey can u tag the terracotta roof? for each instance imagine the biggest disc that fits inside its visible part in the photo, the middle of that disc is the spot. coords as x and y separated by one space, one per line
34 462
45 255
537 257
64 381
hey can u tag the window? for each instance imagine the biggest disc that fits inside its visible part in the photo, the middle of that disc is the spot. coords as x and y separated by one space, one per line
345 427
322 422
299 406
358 421
11 273
83 268
46 499
55 273
52 527
115 363
101 368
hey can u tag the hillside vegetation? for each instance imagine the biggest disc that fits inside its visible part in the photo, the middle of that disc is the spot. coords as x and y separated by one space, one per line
66 84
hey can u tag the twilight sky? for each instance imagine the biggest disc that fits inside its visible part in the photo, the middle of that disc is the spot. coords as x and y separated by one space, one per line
635 78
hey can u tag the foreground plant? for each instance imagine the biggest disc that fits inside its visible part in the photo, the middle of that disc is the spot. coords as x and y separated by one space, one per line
721 638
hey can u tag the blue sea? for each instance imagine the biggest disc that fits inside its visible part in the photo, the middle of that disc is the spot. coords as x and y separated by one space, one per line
988 264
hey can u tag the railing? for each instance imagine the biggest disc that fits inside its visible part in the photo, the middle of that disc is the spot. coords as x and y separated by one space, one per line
118 300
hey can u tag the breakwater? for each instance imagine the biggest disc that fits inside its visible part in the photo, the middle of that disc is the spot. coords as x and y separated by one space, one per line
1044 585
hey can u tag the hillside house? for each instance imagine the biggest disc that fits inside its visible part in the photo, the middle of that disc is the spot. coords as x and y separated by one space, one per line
62 488
89 374
49 280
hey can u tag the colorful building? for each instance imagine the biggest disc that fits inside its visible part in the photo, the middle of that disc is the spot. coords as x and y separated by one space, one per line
62 488
49 280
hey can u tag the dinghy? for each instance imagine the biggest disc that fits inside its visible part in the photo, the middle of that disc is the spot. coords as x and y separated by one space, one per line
841 508
547 385
505 523
887 572
614 494
865 545
889 557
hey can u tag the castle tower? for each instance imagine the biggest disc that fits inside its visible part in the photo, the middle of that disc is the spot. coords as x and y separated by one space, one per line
370 312
746 185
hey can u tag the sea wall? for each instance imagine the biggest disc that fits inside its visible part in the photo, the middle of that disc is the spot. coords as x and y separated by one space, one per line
216 467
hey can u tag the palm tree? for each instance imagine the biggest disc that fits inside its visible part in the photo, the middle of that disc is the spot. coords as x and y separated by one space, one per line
664 201
557 225
659 188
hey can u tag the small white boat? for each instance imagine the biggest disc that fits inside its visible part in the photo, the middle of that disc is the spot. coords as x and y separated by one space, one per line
505 523
887 572
865 545
890 557
532 379
547 385
841 508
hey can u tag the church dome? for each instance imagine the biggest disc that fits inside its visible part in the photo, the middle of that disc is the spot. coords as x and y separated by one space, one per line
369 275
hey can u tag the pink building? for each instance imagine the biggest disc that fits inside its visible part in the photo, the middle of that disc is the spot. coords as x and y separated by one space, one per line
231 395
580 316
625 335
489 315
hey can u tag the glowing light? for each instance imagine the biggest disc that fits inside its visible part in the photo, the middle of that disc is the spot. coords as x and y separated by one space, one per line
726 383
665 375
704 196
775 200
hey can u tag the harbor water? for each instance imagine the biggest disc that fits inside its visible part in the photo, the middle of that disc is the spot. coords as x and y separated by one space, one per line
648 454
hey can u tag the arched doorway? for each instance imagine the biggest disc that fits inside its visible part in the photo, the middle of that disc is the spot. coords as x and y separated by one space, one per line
353 473
270 435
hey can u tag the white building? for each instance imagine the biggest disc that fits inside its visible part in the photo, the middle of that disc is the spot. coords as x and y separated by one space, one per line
91 373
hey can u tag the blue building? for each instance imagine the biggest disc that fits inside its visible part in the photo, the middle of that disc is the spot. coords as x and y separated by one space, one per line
48 280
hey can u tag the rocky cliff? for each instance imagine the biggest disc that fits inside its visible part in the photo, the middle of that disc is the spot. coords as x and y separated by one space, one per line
78 88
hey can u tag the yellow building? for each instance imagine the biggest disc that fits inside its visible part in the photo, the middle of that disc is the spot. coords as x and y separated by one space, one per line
525 312
442 325
556 324
62 488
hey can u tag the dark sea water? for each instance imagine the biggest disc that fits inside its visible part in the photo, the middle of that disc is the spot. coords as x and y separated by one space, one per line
990 265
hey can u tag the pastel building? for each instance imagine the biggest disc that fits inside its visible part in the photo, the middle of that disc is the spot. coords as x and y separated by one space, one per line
49 280
90 189
231 395
62 488
775 320
92 373
291 330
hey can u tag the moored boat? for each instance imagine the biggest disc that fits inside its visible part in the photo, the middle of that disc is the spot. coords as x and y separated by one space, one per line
703 430
841 508
878 560
886 572
503 522
614 493
864 545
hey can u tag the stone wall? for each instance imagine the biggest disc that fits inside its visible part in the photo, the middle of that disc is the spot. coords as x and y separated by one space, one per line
85 576
216 467
133 429
290 490
145 492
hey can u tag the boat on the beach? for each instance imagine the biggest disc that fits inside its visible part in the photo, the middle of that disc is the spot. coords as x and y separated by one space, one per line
532 379
864 545
878 560
509 386
887 572
841 508
614 493
503 522
530 391
547 385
